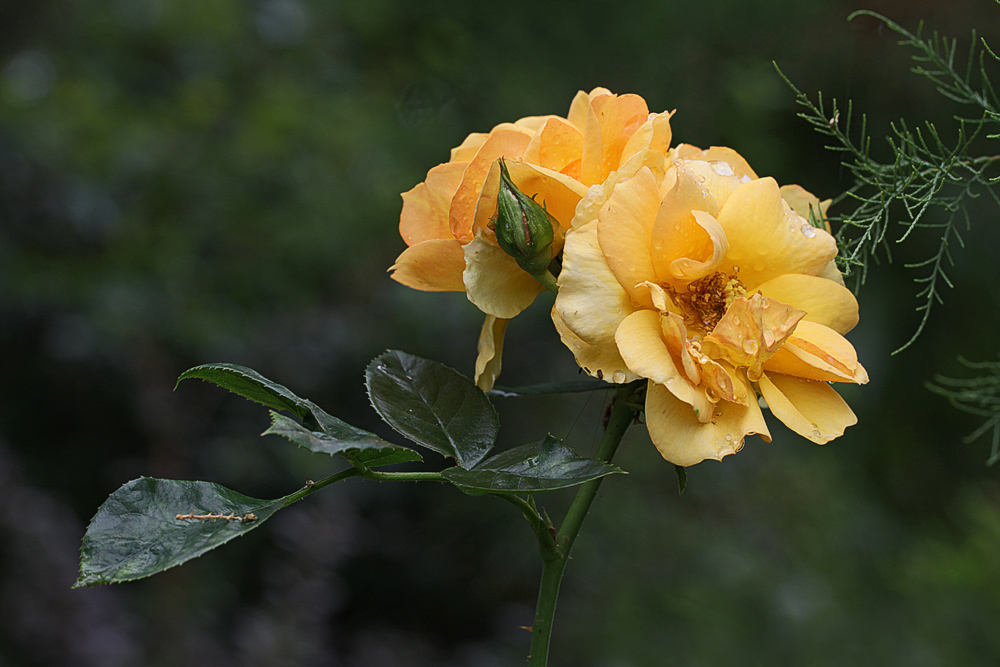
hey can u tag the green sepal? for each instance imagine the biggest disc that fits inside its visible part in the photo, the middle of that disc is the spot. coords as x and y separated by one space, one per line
136 532
433 405
540 466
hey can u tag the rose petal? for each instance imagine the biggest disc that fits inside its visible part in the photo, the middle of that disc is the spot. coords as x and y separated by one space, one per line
509 141
557 193
717 154
824 301
603 361
490 351
751 331
683 440
766 238
807 205
555 145
624 229
425 207
591 301
432 266
655 135
579 110
817 352
612 120
494 281
810 408
647 355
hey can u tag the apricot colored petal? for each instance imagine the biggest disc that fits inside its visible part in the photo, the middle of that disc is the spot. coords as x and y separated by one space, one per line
612 120
494 281
751 331
807 205
624 229
685 246
647 355
812 409
555 145
718 177
432 266
591 301
558 193
490 351
824 301
468 148
683 440
832 272
655 135
600 361
579 109
532 123
506 142
675 333
818 352
425 207
766 238
721 381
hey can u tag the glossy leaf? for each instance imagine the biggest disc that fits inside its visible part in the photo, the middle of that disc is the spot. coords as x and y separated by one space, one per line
329 434
433 405
358 446
249 384
137 532
539 466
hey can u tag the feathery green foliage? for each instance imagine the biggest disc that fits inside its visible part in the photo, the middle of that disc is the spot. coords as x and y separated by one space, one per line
978 395
928 182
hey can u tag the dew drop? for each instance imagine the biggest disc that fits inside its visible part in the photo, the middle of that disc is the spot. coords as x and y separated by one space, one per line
736 320
703 359
729 438
618 377
815 430
808 231
750 346
722 168
670 381
657 243
744 178
766 304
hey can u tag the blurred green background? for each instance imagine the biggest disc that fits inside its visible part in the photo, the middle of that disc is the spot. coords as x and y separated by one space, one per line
187 181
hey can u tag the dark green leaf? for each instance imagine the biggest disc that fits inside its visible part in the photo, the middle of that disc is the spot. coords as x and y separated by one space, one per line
540 466
433 405
250 384
136 531
362 447
321 432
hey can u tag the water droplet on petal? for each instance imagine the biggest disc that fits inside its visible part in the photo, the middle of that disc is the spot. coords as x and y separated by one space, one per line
670 381
750 346
729 438
703 359
808 231
815 430
736 319
722 168
744 178
618 377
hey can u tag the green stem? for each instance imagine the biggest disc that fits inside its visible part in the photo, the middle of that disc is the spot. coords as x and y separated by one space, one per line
364 473
548 280
622 415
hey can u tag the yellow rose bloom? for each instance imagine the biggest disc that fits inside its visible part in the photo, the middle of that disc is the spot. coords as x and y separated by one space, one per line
712 284
445 220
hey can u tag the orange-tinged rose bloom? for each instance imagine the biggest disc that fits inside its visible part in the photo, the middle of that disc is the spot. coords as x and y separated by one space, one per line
446 219
712 284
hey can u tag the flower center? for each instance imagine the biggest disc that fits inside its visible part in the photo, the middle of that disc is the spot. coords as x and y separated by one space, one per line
705 301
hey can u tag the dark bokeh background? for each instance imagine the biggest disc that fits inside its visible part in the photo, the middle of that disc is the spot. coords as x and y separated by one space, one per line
186 181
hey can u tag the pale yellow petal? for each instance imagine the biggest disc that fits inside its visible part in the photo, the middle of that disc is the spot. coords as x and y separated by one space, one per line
506 142
807 205
432 266
579 109
532 123
683 440
624 227
767 239
591 301
817 352
810 408
490 351
717 154
600 361
647 355
824 301
832 272
718 177
425 207
494 281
